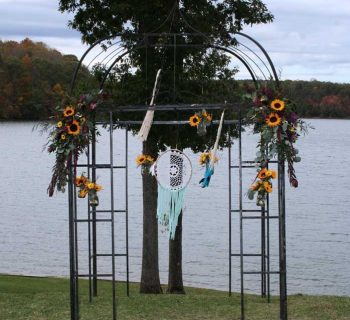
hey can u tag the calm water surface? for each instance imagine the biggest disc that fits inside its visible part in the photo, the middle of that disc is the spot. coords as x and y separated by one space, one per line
34 228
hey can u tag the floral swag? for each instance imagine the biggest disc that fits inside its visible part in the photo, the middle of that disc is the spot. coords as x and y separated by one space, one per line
70 135
275 119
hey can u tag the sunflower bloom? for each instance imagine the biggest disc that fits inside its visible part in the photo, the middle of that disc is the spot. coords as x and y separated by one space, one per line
273 120
59 124
149 159
98 187
268 187
68 112
263 173
90 185
74 128
204 157
277 105
140 159
208 116
63 136
272 174
79 181
83 193
194 121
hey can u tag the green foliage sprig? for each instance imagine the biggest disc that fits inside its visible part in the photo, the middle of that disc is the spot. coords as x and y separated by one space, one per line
279 126
71 134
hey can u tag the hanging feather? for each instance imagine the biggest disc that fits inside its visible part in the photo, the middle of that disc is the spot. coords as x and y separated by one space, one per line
147 121
209 166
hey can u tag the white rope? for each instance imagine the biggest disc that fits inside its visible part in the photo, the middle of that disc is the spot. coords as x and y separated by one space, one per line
213 152
147 122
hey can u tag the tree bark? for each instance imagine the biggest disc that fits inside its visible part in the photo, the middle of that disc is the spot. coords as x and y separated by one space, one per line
175 283
150 282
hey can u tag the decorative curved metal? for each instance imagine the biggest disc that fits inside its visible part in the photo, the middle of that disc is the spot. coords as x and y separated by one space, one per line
250 64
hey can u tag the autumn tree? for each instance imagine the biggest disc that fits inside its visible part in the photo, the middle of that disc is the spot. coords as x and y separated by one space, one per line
29 73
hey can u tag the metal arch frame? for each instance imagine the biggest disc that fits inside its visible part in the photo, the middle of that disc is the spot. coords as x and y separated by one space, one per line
244 59
204 45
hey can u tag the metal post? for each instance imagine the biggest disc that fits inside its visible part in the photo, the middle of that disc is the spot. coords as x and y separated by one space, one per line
230 220
89 230
114 309
71 247
76 248
93 213
268 248
282 241
241 216
263 252
127 211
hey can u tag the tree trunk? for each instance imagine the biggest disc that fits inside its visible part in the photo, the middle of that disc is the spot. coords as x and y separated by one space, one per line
150 282
175 284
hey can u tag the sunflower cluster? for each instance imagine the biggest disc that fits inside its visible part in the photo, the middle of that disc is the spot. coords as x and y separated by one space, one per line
279 126
200 117
201 120
70 135
144 160
87 187
262 186
206 157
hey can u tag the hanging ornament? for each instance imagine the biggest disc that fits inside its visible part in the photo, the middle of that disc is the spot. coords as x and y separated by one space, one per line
173 171
147 121
209 163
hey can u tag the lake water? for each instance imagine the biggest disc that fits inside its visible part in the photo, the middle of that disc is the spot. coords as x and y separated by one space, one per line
34 228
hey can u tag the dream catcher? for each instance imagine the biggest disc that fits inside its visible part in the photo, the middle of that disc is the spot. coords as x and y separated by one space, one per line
211 158
173 171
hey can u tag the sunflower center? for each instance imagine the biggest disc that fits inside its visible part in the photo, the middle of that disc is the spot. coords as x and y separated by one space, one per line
277 105
73 127
273 119
195 120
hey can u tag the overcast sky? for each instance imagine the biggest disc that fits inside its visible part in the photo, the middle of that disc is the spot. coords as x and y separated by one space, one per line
309 39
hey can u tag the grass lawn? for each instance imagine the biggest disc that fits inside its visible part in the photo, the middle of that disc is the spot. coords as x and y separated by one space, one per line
28 298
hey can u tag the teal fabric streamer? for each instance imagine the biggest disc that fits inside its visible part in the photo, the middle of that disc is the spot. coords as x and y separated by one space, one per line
169 207
204 182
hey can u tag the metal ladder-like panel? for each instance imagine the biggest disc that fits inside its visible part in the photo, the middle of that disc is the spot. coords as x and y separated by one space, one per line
92 220
263 216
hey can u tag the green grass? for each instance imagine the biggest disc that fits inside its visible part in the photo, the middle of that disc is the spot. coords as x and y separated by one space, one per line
28 298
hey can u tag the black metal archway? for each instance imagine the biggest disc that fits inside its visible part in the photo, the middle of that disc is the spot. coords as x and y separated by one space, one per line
260 68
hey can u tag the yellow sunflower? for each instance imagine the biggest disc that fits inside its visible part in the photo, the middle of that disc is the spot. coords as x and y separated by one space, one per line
208 116
68 111
272 174
277 105
98 187
141 159
83 193
263 173
74 128
268 186
63 136
273 119
204 157
194 121
149 159
80 181
90 185
59 124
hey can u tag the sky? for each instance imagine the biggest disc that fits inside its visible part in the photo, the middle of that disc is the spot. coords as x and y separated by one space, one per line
309 39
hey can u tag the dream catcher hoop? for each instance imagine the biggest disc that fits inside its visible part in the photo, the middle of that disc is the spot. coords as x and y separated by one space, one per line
173 171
